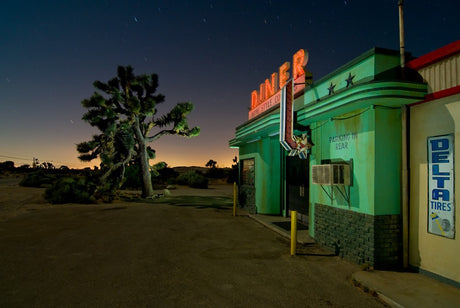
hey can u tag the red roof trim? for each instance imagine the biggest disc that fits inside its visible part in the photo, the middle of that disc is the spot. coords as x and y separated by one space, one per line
438 95
435 56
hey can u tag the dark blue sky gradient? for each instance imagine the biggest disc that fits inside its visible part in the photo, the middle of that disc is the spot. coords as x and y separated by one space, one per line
212 53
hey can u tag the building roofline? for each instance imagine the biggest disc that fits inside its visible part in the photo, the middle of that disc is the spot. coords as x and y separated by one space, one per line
344 67
435 56
363 56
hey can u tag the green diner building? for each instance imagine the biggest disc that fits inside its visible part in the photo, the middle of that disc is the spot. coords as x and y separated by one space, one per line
349 187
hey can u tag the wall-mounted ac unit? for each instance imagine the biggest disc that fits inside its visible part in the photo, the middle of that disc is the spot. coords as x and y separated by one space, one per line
331 174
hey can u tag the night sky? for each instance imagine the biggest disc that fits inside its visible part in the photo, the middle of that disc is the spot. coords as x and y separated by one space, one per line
212 53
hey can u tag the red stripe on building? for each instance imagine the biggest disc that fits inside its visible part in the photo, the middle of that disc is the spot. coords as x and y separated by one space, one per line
435 56
438 95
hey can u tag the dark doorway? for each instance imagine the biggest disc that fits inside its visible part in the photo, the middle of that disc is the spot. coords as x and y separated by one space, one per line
297 183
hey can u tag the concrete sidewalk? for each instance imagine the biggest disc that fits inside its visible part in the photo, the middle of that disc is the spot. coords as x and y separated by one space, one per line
403 289
269 221
397 289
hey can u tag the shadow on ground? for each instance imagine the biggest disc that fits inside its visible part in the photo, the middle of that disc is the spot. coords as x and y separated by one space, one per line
199 202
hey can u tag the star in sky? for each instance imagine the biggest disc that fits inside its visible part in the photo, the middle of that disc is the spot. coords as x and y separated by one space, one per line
199 52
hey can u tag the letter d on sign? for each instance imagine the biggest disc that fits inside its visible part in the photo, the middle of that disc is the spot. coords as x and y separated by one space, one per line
439 144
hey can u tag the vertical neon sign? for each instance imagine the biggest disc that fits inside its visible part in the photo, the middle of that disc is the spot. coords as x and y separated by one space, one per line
296 145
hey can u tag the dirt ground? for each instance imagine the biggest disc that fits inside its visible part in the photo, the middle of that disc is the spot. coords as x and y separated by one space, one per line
16 200
187 251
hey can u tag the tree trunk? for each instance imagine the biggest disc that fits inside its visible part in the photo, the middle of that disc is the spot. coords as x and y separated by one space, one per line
147 189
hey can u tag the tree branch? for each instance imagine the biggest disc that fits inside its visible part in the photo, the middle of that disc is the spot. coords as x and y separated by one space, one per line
118 165
159 134
149 127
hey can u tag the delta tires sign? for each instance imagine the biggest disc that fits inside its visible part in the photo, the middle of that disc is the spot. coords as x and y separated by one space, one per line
441 201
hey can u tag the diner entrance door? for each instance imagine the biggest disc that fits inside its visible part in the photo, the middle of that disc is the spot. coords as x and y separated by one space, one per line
297 186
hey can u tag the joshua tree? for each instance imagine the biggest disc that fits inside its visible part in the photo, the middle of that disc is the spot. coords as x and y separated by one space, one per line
211 163
125 112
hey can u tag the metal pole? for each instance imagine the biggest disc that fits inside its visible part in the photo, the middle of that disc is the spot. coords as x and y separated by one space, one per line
404 150
234 198
405 188
293 232
401 33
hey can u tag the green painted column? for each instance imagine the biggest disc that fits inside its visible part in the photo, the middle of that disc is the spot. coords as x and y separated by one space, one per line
266 155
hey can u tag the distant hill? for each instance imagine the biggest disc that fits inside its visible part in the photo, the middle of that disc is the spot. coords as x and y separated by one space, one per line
183 169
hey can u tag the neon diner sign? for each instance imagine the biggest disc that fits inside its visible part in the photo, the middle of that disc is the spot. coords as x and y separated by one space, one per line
269 93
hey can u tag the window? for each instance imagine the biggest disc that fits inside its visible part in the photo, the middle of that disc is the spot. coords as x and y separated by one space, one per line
248 172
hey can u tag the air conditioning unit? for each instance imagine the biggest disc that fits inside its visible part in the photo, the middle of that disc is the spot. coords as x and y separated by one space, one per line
331 174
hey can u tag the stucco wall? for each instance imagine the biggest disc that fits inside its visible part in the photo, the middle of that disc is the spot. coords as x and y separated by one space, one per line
350 137
387 161
433 253
365 229
266 154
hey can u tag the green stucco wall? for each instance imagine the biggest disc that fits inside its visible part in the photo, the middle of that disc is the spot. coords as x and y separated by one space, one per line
387 161
370 141
354 115
266 153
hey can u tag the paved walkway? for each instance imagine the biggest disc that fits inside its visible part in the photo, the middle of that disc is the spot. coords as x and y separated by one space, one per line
397 289
402 289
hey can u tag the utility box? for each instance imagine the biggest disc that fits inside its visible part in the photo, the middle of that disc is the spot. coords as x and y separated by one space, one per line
331 174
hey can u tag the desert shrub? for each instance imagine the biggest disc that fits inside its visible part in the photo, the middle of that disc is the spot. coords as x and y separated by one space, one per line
159 176
215 173
24 168
106 192
37 179
7 166
198 181
192 179
133 177
183 178
166 174
171 181
71 190
162 174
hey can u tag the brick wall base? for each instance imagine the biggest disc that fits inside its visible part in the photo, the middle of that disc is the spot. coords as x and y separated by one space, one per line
360 238
247 198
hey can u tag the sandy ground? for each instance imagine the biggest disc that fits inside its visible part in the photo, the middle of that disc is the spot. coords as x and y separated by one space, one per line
190 253
16 200
214 190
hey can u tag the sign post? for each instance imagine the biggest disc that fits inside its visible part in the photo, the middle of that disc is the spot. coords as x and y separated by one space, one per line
293 233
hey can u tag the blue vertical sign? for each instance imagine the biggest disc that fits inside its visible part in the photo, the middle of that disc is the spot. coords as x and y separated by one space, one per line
441 206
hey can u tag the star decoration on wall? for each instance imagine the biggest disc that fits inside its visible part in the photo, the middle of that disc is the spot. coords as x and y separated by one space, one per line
303 145
331 89
349 80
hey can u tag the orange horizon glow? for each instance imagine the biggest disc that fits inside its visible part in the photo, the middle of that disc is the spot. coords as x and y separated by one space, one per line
68 156
92 164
